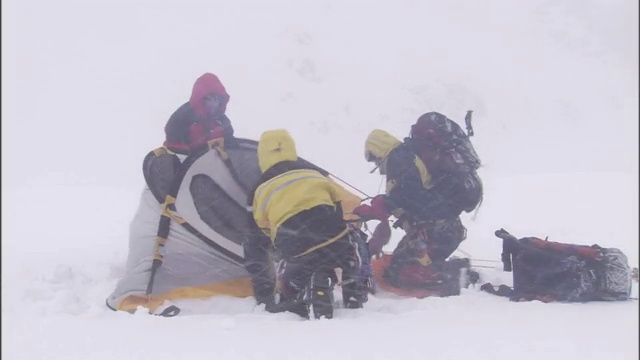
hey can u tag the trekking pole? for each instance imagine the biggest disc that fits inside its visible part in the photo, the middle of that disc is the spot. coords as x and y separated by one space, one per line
161 239
158 257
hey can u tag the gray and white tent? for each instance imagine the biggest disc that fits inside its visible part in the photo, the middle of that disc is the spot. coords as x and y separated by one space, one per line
185 241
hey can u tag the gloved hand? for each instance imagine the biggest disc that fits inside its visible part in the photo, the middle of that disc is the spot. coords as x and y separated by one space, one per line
216 132
369 212
380 207
379 239
364 211
377 209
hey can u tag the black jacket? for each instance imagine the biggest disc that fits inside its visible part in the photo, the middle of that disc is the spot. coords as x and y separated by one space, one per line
435 203
185 131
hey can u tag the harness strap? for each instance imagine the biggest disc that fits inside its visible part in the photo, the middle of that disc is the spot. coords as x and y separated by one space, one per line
325 243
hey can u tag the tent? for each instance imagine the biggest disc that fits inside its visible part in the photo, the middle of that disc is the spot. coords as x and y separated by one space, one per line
185 241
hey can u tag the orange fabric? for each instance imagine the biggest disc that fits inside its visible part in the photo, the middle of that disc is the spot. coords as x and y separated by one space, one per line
237 288
380 265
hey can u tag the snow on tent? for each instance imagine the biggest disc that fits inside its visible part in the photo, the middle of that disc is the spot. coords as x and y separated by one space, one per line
185 241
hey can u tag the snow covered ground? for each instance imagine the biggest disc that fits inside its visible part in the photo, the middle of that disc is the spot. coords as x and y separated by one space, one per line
89 85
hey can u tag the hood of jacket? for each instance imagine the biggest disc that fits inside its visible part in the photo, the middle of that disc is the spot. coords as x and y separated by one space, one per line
379 144
207 84
275 146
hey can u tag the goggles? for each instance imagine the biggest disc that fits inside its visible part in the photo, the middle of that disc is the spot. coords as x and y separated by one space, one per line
213 97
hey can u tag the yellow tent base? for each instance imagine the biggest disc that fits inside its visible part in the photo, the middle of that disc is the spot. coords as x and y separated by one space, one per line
237 288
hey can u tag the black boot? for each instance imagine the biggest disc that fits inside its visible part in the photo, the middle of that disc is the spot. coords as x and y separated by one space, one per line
321 295
354 293
296 305
472 278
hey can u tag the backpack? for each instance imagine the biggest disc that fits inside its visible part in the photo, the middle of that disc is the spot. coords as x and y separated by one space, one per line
553 271
449 156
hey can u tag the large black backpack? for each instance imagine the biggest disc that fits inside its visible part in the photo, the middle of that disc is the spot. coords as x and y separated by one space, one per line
448 154
552 271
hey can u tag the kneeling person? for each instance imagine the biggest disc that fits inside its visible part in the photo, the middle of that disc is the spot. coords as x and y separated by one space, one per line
300 210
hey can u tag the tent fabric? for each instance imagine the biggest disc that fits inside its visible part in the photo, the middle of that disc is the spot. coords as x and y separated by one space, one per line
203 199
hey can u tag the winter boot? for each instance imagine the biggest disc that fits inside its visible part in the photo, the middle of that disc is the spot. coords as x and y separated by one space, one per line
461 267
296 305
321 295
354 293
472 278
457 271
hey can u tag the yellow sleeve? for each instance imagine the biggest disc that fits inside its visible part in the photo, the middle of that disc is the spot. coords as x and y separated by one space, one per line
336 196
260 218
347 200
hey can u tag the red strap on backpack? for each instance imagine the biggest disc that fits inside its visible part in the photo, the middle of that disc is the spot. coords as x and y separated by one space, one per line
583 251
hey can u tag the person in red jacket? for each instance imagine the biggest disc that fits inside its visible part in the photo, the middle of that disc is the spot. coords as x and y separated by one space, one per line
200 119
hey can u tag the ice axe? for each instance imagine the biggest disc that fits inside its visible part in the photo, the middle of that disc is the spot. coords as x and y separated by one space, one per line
467 121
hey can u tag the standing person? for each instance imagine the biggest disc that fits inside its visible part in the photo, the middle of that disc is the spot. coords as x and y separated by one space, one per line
430 182
200 119
300 210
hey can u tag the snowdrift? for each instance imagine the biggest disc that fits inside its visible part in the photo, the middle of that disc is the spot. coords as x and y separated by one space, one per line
185 241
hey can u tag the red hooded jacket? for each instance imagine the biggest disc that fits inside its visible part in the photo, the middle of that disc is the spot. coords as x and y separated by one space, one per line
190 126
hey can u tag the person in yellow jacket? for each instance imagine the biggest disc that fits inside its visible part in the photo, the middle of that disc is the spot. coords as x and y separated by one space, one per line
300 211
